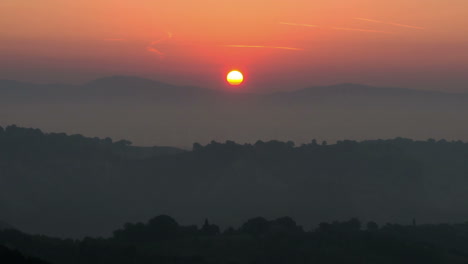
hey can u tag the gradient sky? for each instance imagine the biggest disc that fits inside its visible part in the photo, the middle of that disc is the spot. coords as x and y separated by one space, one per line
277 44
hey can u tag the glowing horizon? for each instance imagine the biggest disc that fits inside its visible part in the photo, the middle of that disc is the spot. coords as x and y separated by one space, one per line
390 43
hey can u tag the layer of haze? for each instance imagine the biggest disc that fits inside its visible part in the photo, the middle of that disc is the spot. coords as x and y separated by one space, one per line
420 44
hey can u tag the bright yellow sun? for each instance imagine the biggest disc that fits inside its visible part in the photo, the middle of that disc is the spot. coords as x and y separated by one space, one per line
235 77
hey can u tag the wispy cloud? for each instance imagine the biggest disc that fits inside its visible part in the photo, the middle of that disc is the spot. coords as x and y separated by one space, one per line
407 26
115 39
362 30
368 20
265 47
388 23
337 28
295 24
151 47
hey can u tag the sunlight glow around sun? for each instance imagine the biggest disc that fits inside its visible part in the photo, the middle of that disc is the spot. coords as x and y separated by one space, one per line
235 77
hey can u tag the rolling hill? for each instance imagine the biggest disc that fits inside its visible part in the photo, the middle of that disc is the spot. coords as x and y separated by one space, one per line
150 113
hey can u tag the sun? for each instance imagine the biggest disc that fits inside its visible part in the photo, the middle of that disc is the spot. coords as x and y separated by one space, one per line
235 77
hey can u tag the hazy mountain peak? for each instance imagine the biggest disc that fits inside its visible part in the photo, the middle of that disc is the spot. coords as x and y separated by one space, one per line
125 81
353 89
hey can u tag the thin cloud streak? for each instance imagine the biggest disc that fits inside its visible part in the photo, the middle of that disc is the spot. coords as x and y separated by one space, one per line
362 30
407 26
295 24
153 49
266 47
340 28
115 39
368 20
388 23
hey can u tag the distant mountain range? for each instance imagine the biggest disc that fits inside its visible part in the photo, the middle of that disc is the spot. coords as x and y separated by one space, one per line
165 114
134 87
110 88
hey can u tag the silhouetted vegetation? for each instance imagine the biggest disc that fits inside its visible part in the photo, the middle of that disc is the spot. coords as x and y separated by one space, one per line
95 184
258 240
32 145
9 256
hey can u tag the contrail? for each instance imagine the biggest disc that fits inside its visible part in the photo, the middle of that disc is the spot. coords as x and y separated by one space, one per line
266 47
151 47
388 23
295 24
362 30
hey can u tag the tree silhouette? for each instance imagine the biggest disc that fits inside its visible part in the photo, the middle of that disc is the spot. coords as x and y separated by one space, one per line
209 229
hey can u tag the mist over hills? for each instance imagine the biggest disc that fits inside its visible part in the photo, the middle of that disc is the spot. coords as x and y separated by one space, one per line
351 90
107 89
95 184
72 186
139 87
150 113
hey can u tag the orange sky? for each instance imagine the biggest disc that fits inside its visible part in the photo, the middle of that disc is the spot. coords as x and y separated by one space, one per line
418 43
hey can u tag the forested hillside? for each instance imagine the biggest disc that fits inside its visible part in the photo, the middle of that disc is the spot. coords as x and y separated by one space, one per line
258 240
74 186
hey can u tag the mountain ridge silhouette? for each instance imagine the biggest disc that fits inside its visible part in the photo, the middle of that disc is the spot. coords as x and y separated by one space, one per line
117 82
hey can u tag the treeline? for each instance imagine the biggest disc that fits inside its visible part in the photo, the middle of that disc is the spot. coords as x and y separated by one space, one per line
258 240
34 145
30 144
16 142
